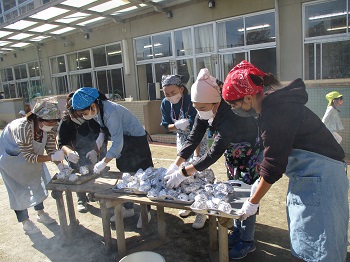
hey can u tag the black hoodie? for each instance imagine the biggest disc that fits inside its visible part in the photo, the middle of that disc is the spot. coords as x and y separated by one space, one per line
228 128
286 124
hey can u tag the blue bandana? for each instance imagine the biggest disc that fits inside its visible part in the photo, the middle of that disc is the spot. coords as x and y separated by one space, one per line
84 97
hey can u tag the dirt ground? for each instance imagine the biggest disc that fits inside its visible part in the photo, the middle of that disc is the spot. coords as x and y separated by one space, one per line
186 245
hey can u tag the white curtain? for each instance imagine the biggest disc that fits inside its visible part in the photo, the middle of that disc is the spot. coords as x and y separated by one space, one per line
187 42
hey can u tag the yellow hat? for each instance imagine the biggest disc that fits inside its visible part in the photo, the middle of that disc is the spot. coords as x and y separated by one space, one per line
332 95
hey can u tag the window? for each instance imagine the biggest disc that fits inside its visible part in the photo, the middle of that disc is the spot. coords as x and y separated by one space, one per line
183 42
326 40
230 33
34 70
204 40
143 48
79 61
20 72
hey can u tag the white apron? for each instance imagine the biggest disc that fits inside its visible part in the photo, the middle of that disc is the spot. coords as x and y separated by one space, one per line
25 182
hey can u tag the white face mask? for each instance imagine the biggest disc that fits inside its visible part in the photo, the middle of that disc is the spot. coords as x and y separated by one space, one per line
206 115
174 99
89 116
46 128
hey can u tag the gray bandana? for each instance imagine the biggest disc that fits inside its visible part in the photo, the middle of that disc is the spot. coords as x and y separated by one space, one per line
168 80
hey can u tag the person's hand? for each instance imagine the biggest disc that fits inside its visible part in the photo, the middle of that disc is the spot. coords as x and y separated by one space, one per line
73 157
248 209
57 156
172 168
92 156
174 180
62 166
100 140
99 167
182 124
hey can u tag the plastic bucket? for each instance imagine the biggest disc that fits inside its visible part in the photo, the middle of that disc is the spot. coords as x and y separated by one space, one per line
143 256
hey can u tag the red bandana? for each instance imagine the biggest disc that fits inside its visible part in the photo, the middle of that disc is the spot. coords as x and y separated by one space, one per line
238 83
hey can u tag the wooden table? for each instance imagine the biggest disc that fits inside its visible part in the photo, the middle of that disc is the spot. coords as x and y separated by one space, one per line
218 235
104 181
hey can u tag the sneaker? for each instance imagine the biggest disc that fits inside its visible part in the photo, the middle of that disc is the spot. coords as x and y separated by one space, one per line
233 237
126 213
139 222
184 213
91 197
241 249
45 218
199 222
82 206
30 228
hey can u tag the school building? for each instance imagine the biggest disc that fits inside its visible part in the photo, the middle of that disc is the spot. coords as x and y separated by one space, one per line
123 47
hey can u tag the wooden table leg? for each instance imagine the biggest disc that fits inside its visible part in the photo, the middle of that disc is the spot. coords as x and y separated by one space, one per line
71 211
144 217
161 223
119 224
106 225
61 213
213 234
223 243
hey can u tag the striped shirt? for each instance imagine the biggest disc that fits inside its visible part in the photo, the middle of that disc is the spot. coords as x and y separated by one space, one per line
23 136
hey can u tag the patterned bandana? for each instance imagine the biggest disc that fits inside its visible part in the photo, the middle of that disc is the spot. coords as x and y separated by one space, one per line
47 108
168 80
238 83
84 97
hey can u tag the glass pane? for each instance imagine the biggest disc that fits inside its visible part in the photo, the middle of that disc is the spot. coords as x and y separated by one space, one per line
99 56
6 91
10 91
3 75
36 89
205 62
325 18
309 62
114 54
260 29
22 91
61 64
203 37
33 69
230 33
9 74
143 48
259 58
24 73
183 42
8 4
72 60
336 60
318 61
144 76
84 60
229 61
160 70
117 83
102 82
162 45
54 65
81 80
61 85
17 72
185 69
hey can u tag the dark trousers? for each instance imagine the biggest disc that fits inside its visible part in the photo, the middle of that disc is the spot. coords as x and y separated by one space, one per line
23 214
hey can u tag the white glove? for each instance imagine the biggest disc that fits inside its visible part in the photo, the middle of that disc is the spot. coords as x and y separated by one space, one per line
92 156
62 166
172 168
248 209
57 156
174 180
99 167
73 157
100 140
182 124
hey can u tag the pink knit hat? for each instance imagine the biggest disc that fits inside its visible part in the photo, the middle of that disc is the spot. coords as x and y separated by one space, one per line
205 89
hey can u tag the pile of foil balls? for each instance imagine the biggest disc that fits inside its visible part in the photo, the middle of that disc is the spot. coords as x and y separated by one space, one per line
198 189
66 173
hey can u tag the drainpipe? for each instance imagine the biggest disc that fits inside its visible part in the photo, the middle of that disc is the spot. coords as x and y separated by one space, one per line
278 49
